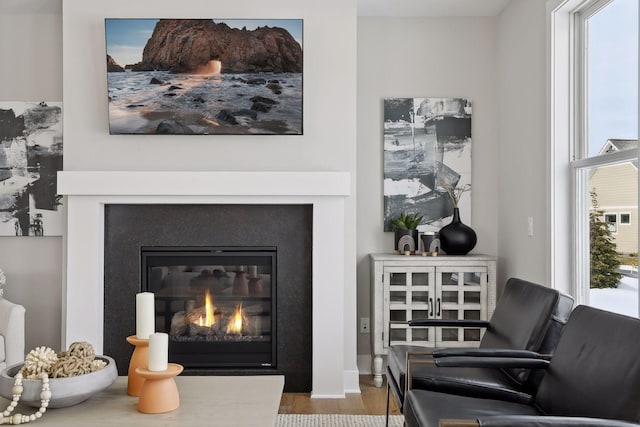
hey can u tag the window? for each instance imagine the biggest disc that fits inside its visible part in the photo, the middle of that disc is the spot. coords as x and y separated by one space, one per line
612 222
594 107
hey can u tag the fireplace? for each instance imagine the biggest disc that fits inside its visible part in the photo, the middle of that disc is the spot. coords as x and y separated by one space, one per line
218 304
332 334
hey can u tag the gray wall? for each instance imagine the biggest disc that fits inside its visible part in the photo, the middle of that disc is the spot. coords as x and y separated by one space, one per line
522 166
414 57
31 46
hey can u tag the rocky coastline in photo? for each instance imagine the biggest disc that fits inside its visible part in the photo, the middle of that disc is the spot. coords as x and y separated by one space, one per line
185 45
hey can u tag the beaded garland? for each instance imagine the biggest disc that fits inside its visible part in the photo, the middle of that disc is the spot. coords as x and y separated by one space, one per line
16 392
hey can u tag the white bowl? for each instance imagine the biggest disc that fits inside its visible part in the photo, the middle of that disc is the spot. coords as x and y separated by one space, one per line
64 391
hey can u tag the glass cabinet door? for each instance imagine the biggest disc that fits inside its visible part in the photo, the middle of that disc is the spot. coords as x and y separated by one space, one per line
411 293
461 292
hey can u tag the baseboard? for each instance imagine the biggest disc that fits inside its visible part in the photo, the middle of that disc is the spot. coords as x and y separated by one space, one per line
352 381
364 364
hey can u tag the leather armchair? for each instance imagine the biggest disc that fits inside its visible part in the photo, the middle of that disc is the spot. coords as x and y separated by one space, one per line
527 316
592 379
11 333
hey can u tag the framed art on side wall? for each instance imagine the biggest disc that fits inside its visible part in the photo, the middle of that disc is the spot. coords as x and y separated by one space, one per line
427 155
30 158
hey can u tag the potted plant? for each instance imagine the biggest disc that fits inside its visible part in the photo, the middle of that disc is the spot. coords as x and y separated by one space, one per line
405 227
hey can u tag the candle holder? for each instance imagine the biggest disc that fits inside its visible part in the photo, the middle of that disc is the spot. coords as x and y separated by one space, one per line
139 359
159 392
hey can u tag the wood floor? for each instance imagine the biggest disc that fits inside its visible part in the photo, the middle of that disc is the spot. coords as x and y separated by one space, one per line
371 401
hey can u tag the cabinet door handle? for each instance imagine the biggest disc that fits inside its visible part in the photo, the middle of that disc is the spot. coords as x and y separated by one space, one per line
431 306
438 305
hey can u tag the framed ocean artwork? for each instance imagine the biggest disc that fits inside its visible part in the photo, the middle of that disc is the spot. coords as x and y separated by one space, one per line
204 76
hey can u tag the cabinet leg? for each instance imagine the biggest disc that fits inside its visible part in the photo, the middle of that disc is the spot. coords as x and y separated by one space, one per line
377 371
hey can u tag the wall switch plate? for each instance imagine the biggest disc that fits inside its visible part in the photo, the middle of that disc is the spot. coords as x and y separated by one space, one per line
530 226
364 325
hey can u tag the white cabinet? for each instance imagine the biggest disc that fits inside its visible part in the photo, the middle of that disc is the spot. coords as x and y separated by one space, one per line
415 287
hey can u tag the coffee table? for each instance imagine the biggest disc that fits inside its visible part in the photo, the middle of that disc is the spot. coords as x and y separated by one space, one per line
230 401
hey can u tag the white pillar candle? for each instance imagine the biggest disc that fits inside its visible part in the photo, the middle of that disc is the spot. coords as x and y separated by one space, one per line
158 351
145 315
253 271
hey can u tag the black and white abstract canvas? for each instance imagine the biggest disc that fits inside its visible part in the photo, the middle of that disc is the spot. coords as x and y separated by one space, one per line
427 148
30 157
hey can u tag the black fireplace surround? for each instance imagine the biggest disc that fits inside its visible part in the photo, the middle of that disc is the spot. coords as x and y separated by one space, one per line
215 236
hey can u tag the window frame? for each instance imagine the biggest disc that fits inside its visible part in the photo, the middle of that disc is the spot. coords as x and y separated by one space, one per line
569 164
614 229
628 219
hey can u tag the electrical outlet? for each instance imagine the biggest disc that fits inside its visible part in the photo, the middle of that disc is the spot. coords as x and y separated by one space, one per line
530 226
364 325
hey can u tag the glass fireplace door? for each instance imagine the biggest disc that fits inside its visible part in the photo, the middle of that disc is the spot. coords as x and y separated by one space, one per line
216 304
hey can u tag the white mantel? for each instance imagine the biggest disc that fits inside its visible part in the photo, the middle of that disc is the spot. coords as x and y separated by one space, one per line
89 191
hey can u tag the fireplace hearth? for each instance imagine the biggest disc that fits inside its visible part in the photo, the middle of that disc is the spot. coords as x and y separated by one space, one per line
218 304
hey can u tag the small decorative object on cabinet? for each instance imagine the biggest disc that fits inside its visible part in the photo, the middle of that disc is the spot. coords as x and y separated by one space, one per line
406 233
446 287
430 244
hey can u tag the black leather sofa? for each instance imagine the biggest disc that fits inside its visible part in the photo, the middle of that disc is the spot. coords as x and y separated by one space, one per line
528 316
592 379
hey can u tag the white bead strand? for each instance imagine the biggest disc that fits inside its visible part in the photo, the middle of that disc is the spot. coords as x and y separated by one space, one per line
16 392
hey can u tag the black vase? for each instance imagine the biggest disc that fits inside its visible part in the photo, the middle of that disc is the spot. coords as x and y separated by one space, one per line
457 238
406 241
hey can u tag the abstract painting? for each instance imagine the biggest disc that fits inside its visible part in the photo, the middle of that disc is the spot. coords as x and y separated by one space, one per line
204 76
30 158
427 150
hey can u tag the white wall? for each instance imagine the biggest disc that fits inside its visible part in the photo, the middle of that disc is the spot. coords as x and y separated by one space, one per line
414 57
522 132
31 46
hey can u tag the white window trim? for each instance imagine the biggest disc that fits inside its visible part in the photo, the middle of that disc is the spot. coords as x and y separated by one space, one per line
564 124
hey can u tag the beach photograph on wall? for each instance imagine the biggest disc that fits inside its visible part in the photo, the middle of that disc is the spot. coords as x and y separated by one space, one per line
30 158
427 152
204 76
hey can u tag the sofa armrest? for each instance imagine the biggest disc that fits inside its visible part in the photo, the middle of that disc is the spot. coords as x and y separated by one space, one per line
550 421
488 352
461 323
492 362
12 329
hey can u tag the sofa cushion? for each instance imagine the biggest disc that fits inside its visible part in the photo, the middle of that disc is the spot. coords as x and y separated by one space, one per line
425 408
595 370
474 382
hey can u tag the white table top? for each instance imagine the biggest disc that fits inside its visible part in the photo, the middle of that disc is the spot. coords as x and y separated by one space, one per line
230 401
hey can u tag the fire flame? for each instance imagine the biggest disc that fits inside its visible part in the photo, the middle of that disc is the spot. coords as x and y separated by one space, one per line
235 322
209 319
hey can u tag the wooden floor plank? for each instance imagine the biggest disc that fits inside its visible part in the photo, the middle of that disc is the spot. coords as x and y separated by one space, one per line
371 400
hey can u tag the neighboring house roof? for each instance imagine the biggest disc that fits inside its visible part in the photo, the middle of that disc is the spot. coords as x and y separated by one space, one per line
613 145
